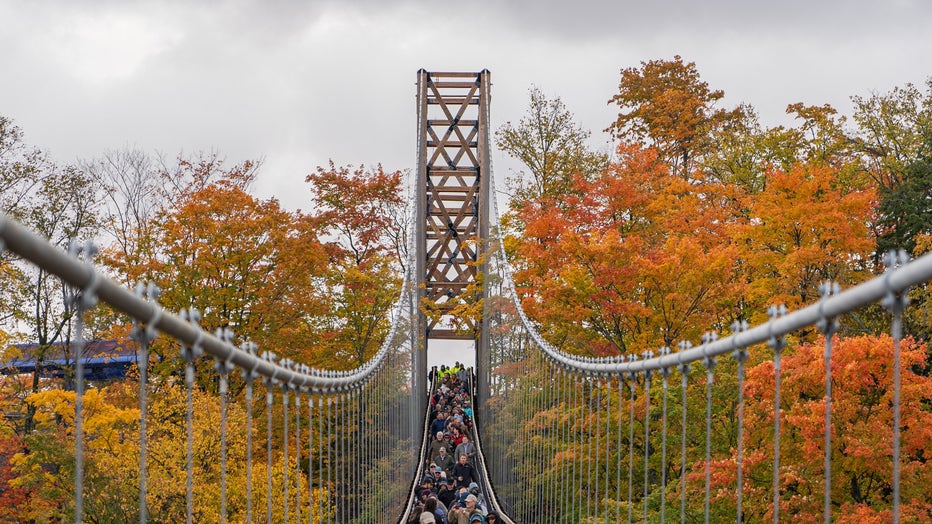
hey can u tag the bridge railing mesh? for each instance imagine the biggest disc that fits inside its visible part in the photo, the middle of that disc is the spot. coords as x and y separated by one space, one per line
291 442
680 434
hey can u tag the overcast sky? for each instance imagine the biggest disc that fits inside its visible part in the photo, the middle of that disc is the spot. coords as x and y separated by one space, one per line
298 83
301 82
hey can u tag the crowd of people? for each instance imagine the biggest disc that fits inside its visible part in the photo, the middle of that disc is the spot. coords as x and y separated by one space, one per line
449 492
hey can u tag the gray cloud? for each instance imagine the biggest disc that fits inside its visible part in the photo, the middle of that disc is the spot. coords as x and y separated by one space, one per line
302 82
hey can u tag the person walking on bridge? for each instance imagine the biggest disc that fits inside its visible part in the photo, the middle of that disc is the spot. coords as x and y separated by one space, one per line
434 448
469 514
445 461
464 473
465 448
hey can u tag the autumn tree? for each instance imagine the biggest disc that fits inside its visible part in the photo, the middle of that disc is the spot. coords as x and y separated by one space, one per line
665 104
893 131
246 263
894 136
357 210
551 145
637 256
111 448
862 434
111 468
11 497
906 210
744 151
62 207
806 227
22 167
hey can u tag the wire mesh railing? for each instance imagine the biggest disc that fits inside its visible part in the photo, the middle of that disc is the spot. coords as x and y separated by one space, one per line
753 426
337 445
744 427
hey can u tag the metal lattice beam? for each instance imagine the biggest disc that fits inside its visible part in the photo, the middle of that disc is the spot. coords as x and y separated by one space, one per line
452 199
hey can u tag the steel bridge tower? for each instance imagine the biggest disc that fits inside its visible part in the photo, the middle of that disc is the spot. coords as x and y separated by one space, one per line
452 217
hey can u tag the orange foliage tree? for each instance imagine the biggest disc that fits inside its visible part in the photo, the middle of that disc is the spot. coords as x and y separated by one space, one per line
632 258
862 468
360 213
665 103
806 226
246 263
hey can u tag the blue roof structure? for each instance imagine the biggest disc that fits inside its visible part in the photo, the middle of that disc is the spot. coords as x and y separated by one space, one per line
103 360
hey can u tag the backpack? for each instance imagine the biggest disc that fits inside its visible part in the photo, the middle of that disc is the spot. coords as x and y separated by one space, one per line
477 517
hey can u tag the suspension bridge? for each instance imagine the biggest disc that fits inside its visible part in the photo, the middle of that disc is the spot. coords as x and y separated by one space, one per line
559 438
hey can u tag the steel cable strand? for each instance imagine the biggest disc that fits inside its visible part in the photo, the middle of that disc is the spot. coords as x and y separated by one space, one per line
562 503
361 457
593 488
683 368
83 300
559 453
567 440
285 464
297 456
321 443
740 354
354 450
709 363
530 451
223 369
189 355
550 456
351 479
896 302
619 423
665 375
575 441
366 453
540 412
608 447
249 377
599 445
828 325
341 460
249 400
331 506
269 385
591 436
144 334
543 437
647 384
525 481
632 380
310 458
777 343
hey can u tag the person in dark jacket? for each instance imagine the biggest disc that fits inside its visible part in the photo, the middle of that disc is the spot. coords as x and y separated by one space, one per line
464 473
447 493
440 424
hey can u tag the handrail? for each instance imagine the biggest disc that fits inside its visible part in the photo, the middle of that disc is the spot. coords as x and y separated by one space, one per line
489 490
894 281
20 240
419 471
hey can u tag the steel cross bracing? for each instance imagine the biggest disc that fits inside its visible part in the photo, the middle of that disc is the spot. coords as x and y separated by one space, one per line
554 437
452 195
